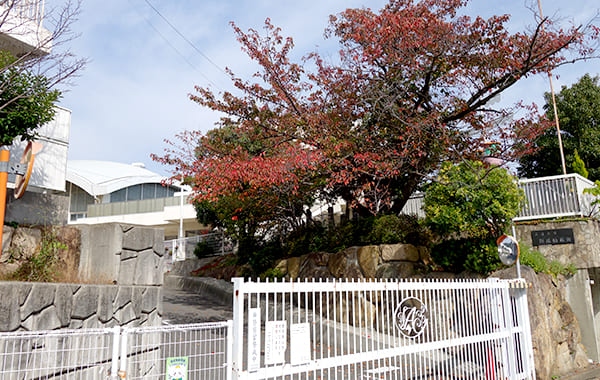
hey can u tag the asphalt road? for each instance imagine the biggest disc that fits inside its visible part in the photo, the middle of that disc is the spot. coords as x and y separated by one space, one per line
180 306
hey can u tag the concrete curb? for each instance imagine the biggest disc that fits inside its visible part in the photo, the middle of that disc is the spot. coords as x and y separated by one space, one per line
220 289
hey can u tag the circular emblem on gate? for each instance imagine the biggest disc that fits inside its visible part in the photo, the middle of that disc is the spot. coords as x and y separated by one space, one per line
411 317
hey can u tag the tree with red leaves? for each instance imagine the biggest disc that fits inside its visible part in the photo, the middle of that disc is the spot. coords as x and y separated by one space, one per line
413 88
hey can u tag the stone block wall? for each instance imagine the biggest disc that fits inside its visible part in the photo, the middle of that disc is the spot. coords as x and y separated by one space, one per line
122 270
44 306
122 254
373 261
585 253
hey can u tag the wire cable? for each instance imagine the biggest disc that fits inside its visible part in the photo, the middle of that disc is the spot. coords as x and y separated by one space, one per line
184 37
175 48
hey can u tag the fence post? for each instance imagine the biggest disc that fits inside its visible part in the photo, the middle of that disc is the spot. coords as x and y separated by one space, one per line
229 374
123 369
238 327
523 321
114 364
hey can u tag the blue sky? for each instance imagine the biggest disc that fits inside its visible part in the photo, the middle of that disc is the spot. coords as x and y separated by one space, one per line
133 94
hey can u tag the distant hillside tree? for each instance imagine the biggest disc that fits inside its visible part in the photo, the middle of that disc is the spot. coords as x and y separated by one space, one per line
578 109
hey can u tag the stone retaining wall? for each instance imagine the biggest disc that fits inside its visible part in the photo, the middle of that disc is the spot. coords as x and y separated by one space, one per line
374 261
44 306
584 253
121 265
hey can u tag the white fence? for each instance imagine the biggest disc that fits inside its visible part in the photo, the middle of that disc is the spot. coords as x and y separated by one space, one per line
202 351
545 198
556 196
183 248
472 329
427 329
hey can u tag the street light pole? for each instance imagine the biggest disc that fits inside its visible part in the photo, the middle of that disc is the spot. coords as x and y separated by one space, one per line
181 238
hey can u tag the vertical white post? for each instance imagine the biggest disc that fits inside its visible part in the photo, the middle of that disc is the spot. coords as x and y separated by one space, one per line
523 321
514 233
123 369
181 251
229 374
238 327
114 365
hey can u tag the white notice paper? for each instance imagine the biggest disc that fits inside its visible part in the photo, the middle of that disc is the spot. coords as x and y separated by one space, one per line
300 343
253 339
275 341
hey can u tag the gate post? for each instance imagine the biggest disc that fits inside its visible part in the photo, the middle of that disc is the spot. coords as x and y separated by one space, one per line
522 307
123 369
238 328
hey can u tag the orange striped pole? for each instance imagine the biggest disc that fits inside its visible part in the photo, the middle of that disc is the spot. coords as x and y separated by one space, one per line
4 158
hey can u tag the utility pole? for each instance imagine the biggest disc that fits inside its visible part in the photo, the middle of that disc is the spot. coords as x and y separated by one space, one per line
557 123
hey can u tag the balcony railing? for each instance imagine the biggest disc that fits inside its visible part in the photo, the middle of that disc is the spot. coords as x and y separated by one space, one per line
21 28
545 198
32 10
131 207
555 197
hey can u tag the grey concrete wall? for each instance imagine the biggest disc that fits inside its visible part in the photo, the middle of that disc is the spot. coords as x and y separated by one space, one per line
585 253
579 296
44 306
122 254
129 259
37 209
583 288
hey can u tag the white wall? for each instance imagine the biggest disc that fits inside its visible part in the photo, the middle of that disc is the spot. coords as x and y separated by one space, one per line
50 164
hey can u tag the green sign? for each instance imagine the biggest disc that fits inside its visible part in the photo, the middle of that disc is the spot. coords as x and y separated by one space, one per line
177 368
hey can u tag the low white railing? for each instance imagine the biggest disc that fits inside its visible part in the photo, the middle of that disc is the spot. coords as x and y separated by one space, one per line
183 248
59 354
556 196
201 351
30 9
197 351
545 198
407 329
476 329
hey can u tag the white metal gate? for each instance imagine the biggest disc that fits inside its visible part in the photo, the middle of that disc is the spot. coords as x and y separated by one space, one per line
426 329
470 329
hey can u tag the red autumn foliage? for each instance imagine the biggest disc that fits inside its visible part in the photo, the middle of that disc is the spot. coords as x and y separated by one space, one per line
412 89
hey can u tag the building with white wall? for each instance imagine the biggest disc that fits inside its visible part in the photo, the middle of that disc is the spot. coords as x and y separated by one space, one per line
106 192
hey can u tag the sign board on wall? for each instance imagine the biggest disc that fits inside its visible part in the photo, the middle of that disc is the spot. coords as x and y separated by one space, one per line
552 237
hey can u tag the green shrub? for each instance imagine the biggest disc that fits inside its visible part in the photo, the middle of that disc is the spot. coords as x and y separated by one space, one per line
203 249
392 229
540 264
264 258
386 229
471 200
533 259
42 266
469 254
271 273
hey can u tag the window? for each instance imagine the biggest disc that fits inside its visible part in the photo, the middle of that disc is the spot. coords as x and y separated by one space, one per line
134 193
149 190
118 196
